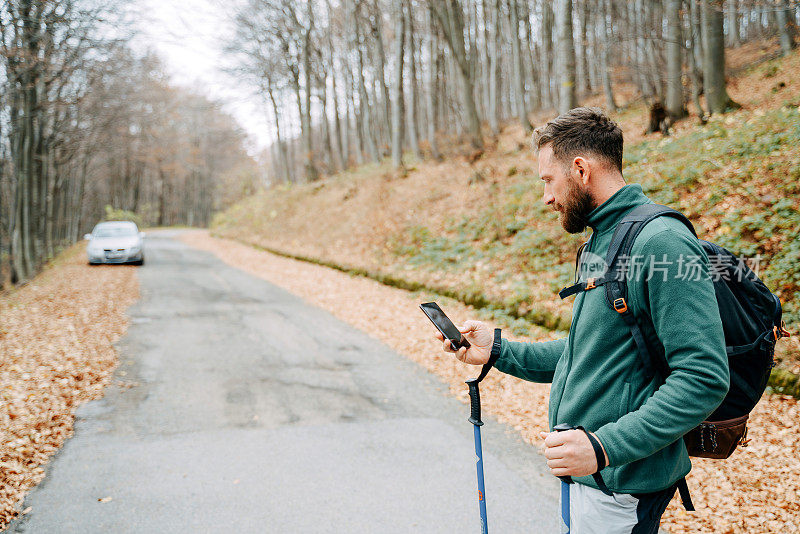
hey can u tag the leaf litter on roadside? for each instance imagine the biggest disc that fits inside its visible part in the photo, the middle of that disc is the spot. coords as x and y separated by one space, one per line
56 352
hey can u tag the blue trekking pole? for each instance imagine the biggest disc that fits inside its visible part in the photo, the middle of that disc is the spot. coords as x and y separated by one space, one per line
475 419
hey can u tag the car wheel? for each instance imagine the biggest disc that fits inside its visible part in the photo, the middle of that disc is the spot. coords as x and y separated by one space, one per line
139 262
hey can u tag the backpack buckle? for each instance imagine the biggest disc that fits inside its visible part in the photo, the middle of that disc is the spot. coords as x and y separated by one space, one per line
590 283
744 441
620 305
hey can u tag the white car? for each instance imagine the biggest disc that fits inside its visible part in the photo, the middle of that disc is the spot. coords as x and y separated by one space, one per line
115 242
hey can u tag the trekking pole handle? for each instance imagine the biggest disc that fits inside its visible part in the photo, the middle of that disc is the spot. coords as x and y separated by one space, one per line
563 427
474 402
474 393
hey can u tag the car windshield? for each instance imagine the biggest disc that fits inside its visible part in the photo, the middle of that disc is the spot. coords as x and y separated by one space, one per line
115 231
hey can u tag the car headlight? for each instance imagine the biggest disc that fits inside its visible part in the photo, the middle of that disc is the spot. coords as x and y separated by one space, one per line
134 249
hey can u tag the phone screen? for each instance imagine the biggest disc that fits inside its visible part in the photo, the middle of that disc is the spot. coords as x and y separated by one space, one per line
444 324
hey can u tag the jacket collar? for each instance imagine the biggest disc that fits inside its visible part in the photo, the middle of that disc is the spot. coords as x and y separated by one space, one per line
610 212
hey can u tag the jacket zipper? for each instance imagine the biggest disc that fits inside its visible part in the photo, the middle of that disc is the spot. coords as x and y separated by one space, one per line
575 316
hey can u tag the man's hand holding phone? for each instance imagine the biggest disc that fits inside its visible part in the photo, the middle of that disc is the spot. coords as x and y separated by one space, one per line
480 337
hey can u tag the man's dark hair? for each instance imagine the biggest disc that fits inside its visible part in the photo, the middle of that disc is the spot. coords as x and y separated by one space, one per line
582 130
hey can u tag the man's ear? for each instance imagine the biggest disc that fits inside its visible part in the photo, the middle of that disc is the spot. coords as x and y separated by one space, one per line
580 170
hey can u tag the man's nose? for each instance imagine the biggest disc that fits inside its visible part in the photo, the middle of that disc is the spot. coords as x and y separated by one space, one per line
548 197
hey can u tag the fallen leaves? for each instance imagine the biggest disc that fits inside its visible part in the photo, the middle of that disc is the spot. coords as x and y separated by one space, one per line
56 352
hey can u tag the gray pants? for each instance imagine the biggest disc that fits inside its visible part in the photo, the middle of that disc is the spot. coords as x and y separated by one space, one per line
593 512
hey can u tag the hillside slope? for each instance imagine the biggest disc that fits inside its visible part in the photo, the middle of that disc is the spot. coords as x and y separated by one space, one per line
478 230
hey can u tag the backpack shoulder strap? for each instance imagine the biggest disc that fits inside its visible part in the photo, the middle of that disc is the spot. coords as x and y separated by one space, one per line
619 251
629 228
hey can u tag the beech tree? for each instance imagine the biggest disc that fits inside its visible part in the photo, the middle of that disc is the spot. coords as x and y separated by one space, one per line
566 57
674 44
714 58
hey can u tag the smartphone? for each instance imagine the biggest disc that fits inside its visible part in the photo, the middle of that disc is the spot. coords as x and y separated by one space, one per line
443 323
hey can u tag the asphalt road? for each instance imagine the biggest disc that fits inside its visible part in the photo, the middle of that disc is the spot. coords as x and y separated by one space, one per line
257 412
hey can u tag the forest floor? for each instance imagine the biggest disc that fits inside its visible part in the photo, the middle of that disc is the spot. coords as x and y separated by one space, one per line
756 490
56 341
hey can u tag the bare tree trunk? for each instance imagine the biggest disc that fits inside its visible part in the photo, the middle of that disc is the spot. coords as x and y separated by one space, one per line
606 55
566 57
534 91
377 32
451 19
714 62
432 93
697 21
352 119
397 87
787 26
494 68
585 85
650 66
337 126
308 147
366 122
330 158
483 62
519 76
411 108
283 161
733 23
547 53
674 96
595 67
694 71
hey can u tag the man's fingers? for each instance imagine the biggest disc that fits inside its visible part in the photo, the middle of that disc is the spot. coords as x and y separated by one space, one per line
461 355
439 336
552 453
468 326
561 472
447 346
557 463
554 439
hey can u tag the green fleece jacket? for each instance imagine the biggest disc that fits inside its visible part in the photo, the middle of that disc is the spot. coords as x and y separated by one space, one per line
596 371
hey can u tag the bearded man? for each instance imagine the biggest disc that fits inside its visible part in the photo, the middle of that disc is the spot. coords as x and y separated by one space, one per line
633 421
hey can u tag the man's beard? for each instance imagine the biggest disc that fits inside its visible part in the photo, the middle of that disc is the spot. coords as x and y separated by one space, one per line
576 208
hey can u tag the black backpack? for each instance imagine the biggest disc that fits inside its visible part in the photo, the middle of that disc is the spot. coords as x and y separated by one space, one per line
751 320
